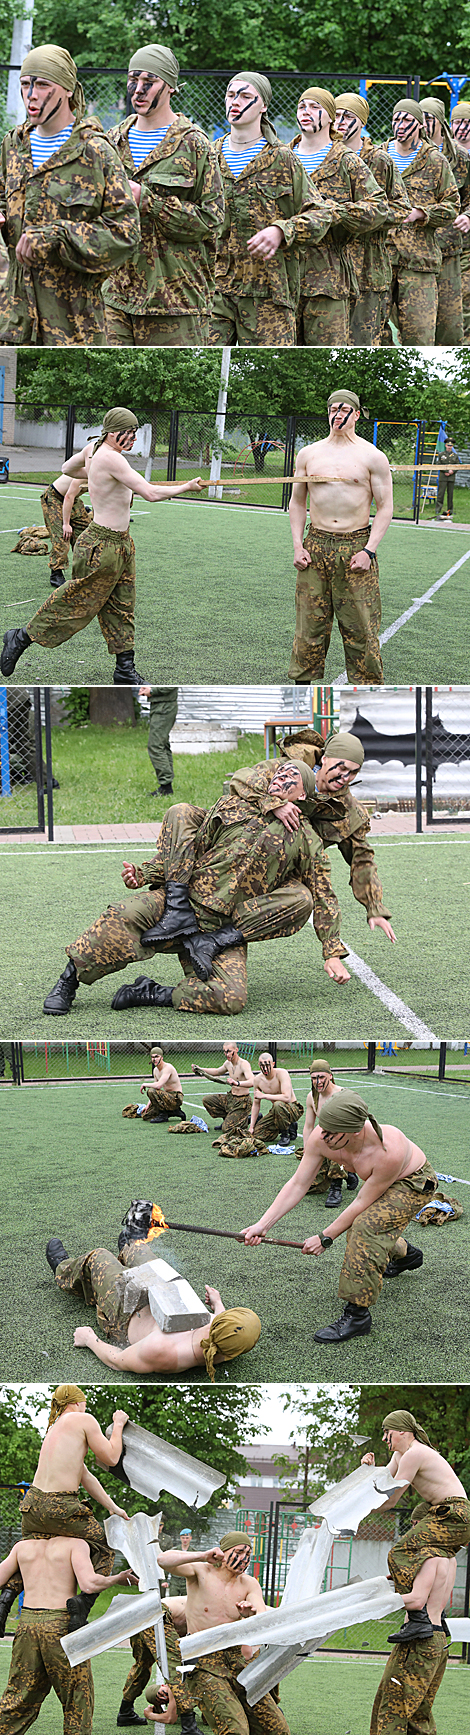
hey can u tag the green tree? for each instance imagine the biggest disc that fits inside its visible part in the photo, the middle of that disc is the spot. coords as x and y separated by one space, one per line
329 1450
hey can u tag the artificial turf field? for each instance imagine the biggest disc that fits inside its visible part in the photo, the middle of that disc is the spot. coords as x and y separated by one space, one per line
215 598
75 1164
327 1695
52 896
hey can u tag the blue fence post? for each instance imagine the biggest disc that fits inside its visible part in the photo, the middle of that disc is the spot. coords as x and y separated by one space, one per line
4 744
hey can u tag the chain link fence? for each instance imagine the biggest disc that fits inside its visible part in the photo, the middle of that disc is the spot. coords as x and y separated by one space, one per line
362 1556
121 1062
21 761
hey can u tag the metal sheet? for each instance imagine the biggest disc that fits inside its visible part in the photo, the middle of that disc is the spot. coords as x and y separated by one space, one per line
173 1304
152 1464
126 1615
348 1605
307 1567
345 1505
135 1538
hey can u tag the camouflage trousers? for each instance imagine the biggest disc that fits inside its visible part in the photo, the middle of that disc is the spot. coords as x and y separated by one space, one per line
223 1702
233 1110
144 1652
102 584
94 1277
445 484
413 295
404 1699
66 1515
52 504
366 317
442 1532
281 1116
465 271
327 1173
154 330
449 324
46 307
322 320
372 1238
329 587
38 1664
167 1102
244 320
162 717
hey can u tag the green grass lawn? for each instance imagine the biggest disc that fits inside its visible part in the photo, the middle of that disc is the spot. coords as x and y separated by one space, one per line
326 1694
79 1163
53 894
215 599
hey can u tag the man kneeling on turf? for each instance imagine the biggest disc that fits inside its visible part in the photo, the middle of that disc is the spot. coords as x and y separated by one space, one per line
397 1178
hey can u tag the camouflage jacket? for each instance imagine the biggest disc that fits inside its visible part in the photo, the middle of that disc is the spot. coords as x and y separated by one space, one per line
337 819
369 252
78 212
358 206
431 188
451 240
273 188
181 214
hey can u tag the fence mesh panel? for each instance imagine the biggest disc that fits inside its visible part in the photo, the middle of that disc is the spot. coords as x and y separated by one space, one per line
18 756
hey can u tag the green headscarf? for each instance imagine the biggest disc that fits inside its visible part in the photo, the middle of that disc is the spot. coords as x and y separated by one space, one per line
61 1398
433 105
57 65
308 777
231 1333
264 89
406 1423
346 1112
117 421
235 1539
157 60
344 746
461 110
343 397
407 106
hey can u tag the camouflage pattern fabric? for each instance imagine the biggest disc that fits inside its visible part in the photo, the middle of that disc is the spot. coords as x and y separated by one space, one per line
144 1653
281 1116
32 540
273 188
181 213
239 1145
371 1240
66 1515
94 1278
161 1102
327 1173
431 188
248 321
39 1664
163 714
444 1530
102 584
233 1110
369 252
449 324
321 319
223 1702
329 587
358 207
465 271
413 296
451 240
366 318
78 212
404 1698
154 331
52 507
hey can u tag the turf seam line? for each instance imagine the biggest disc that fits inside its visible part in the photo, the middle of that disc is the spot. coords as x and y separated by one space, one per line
341 679
392 1001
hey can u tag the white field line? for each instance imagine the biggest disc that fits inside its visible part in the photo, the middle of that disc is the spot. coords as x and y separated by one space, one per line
341 680
392 1001
56 851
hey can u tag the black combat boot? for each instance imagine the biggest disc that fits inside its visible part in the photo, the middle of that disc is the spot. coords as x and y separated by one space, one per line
352 1181
143 992
355 1322
125 675
79 1607
127 1715
411 1261
63 994
334 1195
178 917
57 577
189 1723
14 643
7 1598
203 948
418 1626
55 1253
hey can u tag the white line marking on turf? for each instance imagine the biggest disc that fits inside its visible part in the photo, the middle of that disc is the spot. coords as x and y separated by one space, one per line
389 999
340 680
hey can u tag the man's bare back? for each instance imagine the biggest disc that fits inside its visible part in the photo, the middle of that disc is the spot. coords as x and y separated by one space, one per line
51 1567
62 1456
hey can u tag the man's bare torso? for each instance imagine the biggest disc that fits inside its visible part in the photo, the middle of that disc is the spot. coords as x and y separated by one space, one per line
236 1075
212 1600
62 1456
398 1154
61 485
435 1479
110 497
167 1079
279 1084
338 478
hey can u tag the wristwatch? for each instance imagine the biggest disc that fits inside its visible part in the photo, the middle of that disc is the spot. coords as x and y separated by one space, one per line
370 552
326 1240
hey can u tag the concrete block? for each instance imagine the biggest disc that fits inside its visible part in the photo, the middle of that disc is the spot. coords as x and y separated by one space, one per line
172 1302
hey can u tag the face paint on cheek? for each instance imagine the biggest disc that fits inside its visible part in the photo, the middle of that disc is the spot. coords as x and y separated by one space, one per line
408 131
336 410
156 98
230 101
314 123
347 132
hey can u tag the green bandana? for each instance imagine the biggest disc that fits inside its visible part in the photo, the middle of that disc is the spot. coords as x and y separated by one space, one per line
344 398
407 106
347 1113
324 98
353 104
57 65
234 1539
432 105
344 746
117 421
157 60
404 1422
264 89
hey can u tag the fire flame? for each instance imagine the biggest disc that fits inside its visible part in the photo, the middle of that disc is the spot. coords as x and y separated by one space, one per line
157 1223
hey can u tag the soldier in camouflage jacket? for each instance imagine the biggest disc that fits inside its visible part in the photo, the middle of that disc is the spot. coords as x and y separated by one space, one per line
368 253
414 249
449 325
328 275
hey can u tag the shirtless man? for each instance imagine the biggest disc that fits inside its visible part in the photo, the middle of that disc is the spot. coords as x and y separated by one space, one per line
337 572
220 1590
139 1346
65 517
50 1569
103 571
274 1084
233 1105
422 1562
165 1093
397 1179
322 1087
51 1506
